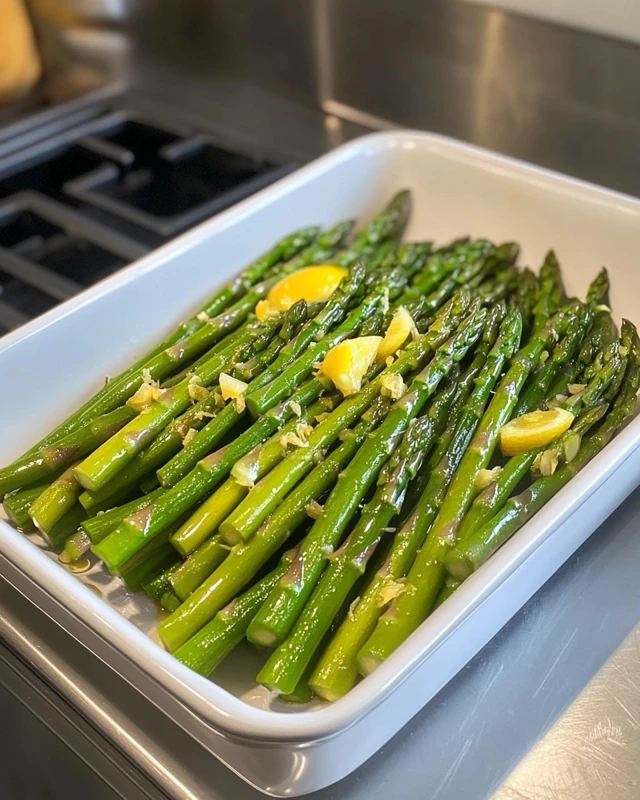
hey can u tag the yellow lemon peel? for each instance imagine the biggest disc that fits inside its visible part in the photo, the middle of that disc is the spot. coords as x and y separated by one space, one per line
313 284
533 430
347 363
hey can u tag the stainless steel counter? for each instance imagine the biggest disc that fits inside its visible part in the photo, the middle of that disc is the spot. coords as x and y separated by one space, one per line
551 707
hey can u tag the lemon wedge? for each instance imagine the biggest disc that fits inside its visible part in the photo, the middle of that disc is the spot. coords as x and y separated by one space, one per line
347 362
313 284
399 329
537 429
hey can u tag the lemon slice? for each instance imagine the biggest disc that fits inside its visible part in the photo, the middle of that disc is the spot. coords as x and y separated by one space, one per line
537 429
347 362
399 329
313 284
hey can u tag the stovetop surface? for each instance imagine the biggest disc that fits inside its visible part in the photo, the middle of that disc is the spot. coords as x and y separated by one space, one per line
92 196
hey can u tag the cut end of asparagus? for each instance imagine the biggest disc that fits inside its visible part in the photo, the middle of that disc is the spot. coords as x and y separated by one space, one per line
231 535
458 565
368 664
325 692
85 480
77 545
262 637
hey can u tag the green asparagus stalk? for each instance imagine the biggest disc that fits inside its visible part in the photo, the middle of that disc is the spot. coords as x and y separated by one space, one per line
207 648
445 264
163 447
578 324
525 297
139 571
250 514
160 583
246 559
65 527
99 526
244 474
266 397
470 554
550 292
294 319
448 588
199 565
54 502
77 544
287 665
48 461
275 619
18 503
598 291
427 572
603 332
388 224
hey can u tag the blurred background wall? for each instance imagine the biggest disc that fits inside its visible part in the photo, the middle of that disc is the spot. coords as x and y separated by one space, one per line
487 71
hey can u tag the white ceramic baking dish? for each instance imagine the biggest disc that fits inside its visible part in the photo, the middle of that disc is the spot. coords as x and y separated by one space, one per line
51 365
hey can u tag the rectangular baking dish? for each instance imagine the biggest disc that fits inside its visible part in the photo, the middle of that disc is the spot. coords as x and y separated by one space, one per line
50 366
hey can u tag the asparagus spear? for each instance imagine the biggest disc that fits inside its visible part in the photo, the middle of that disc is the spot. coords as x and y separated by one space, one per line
283 250
445 263
159 584
250 514
245 559
95 529
65 526
525 297
294 319
425 578
578 324
140 571
287 665
448 588
207 648
245 472
388 224
550 292
54 502
280 611
598 291
18 503
199 565
46 461
471 553
603 332
336 671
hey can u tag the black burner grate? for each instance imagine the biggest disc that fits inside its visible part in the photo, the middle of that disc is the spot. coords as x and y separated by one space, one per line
80 205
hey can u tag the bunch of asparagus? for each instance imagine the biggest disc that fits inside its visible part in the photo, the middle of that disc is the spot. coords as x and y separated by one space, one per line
328 527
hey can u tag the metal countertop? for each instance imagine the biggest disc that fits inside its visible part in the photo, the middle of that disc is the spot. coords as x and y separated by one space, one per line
549 709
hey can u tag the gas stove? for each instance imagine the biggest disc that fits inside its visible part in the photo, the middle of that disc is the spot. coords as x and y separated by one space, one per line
91 191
